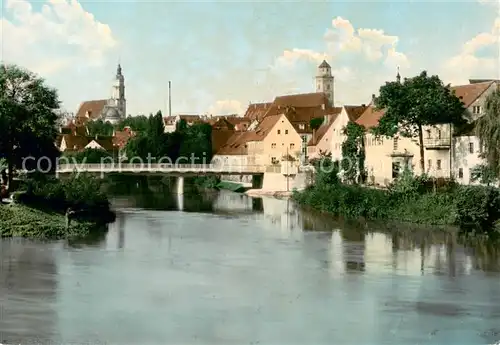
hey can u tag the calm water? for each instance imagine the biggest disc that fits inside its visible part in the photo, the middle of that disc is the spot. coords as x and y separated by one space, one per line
247 272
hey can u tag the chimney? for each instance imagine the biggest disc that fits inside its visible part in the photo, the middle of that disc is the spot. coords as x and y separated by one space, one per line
326 119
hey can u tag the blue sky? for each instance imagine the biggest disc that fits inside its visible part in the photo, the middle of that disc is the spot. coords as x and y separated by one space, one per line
222 55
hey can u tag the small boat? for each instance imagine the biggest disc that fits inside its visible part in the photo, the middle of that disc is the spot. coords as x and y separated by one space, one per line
7 201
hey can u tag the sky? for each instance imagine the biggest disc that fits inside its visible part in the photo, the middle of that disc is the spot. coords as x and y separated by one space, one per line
221 56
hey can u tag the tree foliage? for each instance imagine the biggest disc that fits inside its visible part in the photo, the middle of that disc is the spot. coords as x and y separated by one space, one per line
28 117
91 156
417 102
353 153
193 143
136 123
100 127
316 123
488 130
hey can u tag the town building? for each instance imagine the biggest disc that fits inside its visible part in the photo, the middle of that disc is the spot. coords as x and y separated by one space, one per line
112 109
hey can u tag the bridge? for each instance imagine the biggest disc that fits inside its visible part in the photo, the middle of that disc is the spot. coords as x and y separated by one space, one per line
184 170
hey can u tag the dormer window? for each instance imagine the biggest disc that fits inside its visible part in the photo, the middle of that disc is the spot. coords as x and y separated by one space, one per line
476 109
302 126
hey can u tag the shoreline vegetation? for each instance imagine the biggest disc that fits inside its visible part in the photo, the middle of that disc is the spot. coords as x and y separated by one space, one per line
474 210
41 209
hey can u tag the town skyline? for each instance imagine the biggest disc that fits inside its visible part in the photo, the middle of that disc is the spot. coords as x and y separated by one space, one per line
241 53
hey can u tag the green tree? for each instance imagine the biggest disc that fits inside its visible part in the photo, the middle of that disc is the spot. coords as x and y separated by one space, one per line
136 123
99 127
488 130
353 153
28 117
417 102
91 156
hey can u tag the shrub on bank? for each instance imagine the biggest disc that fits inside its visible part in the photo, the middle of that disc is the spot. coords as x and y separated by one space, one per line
80 192
410 199
23 221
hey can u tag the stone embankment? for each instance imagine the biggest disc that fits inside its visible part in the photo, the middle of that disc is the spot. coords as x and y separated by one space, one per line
274 194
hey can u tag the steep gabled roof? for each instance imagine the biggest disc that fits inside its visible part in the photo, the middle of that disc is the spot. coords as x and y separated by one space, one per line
257 111
370 117
315 99
471 92
320 133
93 108
354 111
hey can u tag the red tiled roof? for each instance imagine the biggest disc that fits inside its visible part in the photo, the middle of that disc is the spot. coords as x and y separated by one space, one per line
354 111
220 137
93 108
471 92
370 117
121 138
257 111
320 133
315 99
303 116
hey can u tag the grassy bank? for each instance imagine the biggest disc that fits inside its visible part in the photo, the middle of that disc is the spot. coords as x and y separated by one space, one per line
39 210
22 221
475 209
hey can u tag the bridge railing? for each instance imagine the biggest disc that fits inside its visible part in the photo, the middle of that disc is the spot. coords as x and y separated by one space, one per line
121 167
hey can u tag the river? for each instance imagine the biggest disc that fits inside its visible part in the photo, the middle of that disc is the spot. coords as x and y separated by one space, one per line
246 271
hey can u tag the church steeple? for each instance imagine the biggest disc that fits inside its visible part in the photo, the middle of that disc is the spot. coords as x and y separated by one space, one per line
398 77
119 70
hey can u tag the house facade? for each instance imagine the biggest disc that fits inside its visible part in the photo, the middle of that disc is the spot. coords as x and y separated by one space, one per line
445 155
466 146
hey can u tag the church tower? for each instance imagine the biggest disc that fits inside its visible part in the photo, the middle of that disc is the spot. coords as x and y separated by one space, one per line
325 81
118 93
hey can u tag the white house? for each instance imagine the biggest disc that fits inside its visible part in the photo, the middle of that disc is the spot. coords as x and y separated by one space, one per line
349 113
467 148
444 155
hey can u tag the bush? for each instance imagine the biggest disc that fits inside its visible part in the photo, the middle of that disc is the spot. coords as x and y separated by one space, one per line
79 192
477 207
411 199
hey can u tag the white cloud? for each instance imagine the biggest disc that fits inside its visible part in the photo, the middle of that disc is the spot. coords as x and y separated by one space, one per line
60 36
469 63
226 107
343 38
362 59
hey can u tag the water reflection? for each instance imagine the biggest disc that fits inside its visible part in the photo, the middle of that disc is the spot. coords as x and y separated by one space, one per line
27 292
233 270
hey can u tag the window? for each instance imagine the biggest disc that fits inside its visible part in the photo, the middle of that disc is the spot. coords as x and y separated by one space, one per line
471 147
328 87
286 131
439 133
460 173
476 109
395 169
395 144
438 164
428 134
274 160
292 146
429 163
273 145
302 126
279 131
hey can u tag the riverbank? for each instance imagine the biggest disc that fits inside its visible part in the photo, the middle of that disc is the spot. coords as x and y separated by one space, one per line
260 193
49 208
23 221
474 209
